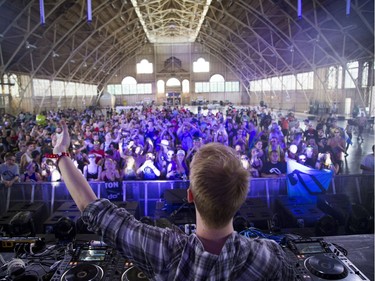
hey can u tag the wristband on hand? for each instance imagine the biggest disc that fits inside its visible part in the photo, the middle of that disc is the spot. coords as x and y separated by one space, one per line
57 156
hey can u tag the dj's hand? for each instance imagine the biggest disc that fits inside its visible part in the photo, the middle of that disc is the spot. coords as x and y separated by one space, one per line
63 139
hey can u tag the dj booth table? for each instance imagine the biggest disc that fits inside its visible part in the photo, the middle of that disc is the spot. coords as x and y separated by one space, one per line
360 250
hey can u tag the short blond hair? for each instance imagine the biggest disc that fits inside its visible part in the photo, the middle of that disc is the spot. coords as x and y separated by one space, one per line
219 183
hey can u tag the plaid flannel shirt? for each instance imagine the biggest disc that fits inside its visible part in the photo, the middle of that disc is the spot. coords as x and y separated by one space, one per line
167 254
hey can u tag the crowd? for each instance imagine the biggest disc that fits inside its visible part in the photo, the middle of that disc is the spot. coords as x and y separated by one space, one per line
160 142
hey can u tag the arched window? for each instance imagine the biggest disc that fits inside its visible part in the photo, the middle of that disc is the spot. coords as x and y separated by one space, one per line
351 75
201 65
160 87
365 72
144 67
173 82
185 86
217 83
217 78
332 77
129 85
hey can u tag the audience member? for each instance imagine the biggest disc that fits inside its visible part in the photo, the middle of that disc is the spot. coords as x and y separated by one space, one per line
110 172
92 170
367 163
326 161
310 157
182 167
9 170
31 174
361 123
148 170
26 158
337 146
256 163
97 151
54 173
274 167
129 172
349 133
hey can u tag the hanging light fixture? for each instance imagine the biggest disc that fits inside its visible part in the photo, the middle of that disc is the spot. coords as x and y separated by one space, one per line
89 11
41 10
347 7
299 9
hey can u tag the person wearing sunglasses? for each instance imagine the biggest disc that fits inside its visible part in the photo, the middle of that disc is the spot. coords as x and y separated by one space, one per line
302 159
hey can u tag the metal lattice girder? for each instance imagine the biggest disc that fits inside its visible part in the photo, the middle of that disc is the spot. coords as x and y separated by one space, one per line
255 38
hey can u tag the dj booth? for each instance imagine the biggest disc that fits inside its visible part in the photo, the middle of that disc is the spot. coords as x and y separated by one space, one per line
345 258
335 257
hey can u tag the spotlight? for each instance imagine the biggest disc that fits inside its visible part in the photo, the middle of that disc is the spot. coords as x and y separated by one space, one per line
22 224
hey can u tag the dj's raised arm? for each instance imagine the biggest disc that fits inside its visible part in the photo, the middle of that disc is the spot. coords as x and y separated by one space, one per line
76 183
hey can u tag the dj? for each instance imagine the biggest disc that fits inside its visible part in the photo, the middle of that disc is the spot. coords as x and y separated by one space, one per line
218 187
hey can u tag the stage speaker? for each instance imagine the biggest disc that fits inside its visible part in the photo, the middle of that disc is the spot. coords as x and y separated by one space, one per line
5 222
68 207
131 206
336 205
177 208
175 196
182 216
49 224
256 212
296 212
326 226
360 221
160 210
38 212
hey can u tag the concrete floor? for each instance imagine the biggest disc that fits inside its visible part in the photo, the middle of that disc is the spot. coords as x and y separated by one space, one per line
356 152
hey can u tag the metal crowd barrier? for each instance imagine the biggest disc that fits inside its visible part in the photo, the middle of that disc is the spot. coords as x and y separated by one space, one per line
359 189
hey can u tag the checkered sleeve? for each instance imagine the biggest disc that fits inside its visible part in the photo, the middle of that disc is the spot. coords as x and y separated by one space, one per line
151 249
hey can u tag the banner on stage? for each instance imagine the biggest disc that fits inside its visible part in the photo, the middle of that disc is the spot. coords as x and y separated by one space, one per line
307 182
114 190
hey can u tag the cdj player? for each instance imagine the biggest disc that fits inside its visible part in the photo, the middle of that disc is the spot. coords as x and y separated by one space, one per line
93 262
317 260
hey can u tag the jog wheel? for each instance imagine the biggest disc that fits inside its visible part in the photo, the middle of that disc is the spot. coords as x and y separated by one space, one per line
326 267
133 274
83 272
